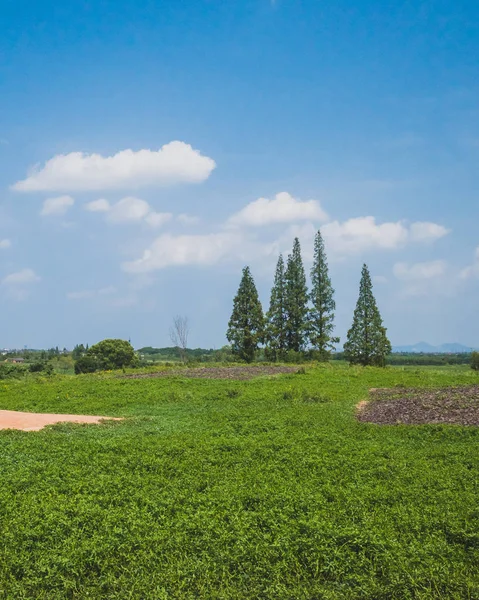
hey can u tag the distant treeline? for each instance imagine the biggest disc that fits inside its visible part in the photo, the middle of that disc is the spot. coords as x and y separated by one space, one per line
421 359
225 354
172 354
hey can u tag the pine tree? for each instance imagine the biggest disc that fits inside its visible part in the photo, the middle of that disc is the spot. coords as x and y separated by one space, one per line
276 316
367 343
321 316
296 300
246 325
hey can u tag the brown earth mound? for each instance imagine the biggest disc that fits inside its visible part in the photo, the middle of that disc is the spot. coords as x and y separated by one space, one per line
409 406
238 373
25 421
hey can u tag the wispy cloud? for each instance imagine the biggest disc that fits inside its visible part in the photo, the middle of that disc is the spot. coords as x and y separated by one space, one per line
473 269
57 206
421 278
89 294
18 284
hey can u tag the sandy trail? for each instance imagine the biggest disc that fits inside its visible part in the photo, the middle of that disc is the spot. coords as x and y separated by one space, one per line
26 421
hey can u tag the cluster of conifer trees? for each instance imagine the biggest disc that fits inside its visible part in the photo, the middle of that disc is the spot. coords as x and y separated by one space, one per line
298 320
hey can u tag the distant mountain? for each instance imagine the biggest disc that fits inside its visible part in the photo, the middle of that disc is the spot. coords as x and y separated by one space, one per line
424 347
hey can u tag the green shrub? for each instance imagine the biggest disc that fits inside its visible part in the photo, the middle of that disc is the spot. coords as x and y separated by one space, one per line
291 356
113 354
475 361
107 355
11 371
86 364
41 366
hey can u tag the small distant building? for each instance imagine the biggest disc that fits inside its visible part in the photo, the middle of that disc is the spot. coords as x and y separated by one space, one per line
16 360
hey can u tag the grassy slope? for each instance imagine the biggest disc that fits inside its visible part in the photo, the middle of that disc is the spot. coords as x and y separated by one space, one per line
220 489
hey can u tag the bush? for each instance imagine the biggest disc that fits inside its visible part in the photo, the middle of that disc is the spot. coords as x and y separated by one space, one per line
294 357
86 364
475 361
41 366
107 355
11 371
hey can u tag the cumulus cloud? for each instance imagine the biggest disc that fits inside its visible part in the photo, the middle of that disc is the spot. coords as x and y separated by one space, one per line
342 239
168 250
57 206
363 233
283 208
200 250
175 162
240 240
471 270
5 244
129 210
427 232
100 205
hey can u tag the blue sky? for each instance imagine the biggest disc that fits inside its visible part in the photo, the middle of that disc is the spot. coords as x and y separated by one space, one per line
151 149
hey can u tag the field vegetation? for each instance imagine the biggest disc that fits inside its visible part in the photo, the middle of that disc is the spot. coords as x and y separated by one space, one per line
218 488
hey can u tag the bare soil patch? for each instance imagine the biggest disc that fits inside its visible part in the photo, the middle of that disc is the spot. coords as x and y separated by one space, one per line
237 373
410 406
25 421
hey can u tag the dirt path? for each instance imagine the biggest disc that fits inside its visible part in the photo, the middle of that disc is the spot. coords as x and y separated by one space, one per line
25 421
394 406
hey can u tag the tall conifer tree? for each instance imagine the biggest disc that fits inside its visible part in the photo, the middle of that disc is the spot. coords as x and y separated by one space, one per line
367 342
321 316
296 300
246 325
276 315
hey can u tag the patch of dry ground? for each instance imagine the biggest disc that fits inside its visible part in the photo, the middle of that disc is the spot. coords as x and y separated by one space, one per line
410 406
238 373
25 421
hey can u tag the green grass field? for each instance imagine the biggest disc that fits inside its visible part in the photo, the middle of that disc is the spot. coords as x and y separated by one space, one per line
220 489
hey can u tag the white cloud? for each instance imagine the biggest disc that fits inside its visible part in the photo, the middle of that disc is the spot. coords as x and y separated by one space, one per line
23 277
128 209
419 271
200 250
156 219
427 232
175 162
472 270
363 233
169 250
5 244
421 278
283 208
57 206
88 294
100 205
350 237
185 219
